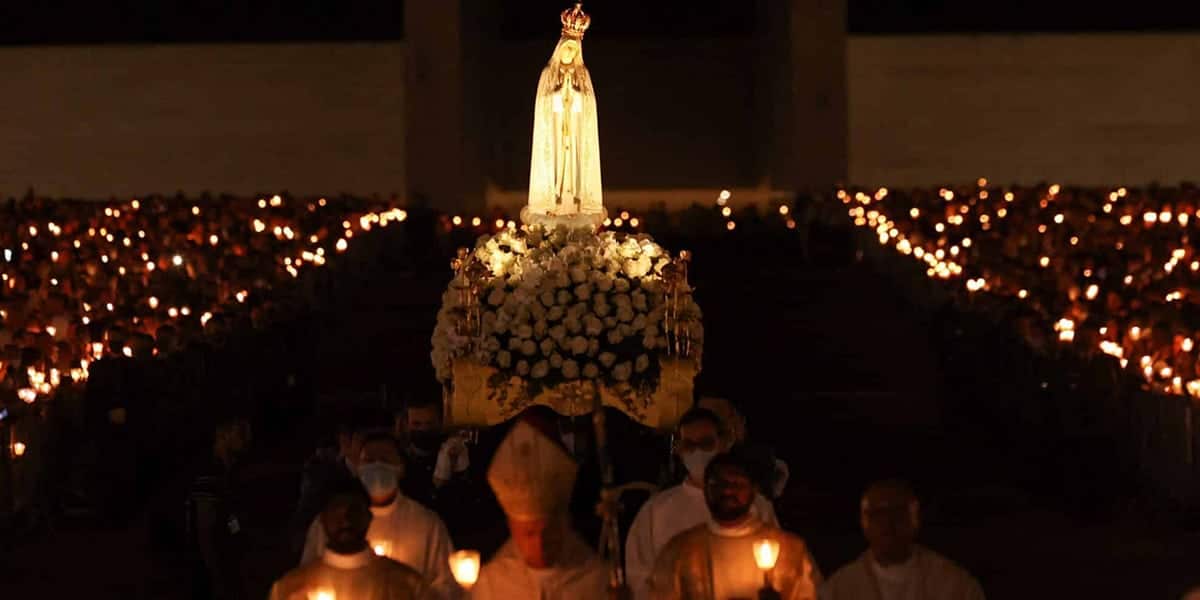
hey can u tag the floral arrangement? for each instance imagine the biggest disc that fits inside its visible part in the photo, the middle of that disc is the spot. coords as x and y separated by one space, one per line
567 305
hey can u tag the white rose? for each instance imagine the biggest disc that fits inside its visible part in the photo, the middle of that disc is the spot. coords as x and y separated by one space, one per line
514 343
625 314
578 275
497 297
650 342
607 359
583 292
593 347
539 329
621 285
623 371
570 369
639 323
573 325
522 368
503 359
591 371
540 369
614 337
610 321
592 325
639 300
579 345
602 309
547 346
491 344
626 329
547 298
652 331
564 297
622 301
529 348
524 331
556 360
642 363
558 332
604 283
555 313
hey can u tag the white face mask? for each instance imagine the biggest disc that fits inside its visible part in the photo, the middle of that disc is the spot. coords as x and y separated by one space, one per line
380 479
697 461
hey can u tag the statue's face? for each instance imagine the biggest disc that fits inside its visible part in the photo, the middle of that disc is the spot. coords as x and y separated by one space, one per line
570 49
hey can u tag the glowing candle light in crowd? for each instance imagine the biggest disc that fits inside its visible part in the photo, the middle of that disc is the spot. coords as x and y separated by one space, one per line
27 395
731 226
1092 291
464 565
18 449
127 351
322 595
213 239
1186 345
476 222
177 260
276 200
1044 261
723 197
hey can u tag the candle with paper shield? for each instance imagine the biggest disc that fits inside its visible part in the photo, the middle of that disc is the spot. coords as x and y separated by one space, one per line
322 594
381 548
464 564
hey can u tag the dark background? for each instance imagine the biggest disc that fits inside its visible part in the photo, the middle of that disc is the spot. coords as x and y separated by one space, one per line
167 21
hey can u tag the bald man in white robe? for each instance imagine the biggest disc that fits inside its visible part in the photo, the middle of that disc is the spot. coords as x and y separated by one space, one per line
544 559
894 567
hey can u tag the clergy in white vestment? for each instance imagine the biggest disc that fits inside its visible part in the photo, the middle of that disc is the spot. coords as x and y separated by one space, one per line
682 507
718 560
401 528
895 567
543 559
348 569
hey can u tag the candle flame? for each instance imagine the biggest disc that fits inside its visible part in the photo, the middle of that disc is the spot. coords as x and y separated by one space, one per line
766 553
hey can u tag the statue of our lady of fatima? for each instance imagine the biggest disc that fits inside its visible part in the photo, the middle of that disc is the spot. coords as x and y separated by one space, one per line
564 170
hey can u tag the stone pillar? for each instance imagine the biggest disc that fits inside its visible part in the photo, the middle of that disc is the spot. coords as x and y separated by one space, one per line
443 166
804 58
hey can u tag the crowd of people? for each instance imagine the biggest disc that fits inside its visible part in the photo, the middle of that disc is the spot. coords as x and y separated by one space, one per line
114 314
1100 271
405 510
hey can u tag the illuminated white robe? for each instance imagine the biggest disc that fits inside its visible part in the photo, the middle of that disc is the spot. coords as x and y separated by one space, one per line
664 516
408 533
711 562
361 576
926 576
565 157
579 575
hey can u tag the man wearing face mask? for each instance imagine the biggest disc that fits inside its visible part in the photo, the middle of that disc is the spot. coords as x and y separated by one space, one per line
718 559
679 508
348 568
895 567
401 528
435 462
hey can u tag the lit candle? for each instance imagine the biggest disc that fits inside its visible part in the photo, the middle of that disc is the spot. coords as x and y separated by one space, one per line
464 564
18 449
382 548
322 594
766 553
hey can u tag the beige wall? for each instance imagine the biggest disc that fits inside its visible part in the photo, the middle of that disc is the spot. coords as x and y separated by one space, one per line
94 121
325 118
1088 109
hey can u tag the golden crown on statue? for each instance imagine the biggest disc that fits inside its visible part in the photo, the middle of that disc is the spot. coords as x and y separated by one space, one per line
575 21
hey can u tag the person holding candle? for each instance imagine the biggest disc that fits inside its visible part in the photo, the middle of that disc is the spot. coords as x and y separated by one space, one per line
724 557
401 528
544 559
701 436
349 569
895 567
